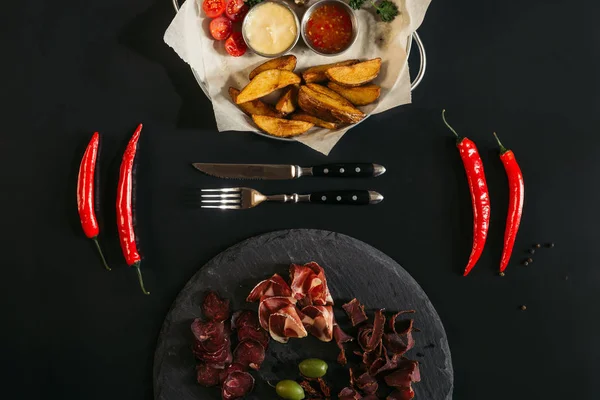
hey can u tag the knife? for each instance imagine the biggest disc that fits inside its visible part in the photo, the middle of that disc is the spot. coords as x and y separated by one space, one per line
274 172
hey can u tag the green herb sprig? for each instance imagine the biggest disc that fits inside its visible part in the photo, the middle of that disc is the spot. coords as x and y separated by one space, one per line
386 9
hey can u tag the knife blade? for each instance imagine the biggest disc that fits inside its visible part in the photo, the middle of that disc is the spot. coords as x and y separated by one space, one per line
282 172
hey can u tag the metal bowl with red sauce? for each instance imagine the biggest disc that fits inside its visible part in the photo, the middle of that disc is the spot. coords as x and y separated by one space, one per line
329 27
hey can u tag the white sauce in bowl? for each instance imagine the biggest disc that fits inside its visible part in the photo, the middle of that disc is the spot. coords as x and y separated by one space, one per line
270 28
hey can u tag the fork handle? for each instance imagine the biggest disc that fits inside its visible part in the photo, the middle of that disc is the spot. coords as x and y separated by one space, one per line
347 197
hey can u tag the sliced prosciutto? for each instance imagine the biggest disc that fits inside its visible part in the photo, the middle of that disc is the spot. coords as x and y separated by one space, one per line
215 308
274 286
249 353
271 305
285 324
319 322
309 284
237 385
355 311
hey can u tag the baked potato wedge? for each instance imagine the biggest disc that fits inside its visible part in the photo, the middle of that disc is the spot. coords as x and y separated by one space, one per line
328 108
328 92
317 74
360 95
254 107
289 101
281 127
356 74
267 82
302 116
284 62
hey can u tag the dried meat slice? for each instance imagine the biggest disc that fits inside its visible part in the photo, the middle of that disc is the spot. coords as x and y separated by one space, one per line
384 364
215 308
324 387
321 321
211 333
309 389
402 326
249 353
341 337
206 375
218 358
355 311
269 306
274 286
286 324
303 279
320 296
258 334
406 373
366 383
402 394
237 385
224 373
369 337
244 318
348 393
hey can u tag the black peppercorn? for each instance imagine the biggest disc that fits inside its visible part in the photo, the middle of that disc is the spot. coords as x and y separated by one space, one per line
523 307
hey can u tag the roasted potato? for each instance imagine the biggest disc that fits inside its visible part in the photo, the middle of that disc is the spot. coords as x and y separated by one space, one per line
284 62
328 92
267 82
328 108
281 127
355 75
360 95
254 107
288 101
302 116
317 74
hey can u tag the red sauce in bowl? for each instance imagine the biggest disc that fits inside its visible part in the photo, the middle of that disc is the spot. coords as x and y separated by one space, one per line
329 29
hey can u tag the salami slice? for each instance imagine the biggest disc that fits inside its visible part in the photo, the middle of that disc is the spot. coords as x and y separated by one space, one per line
211 334
244 318
215 308
206 375
219 358
237 385
258 334
224 373
249 353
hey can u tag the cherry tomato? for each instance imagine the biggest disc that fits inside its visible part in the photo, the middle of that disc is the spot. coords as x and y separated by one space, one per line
213 8
236 10
220 28
235 44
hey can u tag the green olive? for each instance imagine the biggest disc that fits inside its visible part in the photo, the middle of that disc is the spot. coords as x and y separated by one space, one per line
313 368
289 390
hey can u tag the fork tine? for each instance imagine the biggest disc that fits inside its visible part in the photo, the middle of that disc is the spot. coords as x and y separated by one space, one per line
223 207
221 196
221 201
222 190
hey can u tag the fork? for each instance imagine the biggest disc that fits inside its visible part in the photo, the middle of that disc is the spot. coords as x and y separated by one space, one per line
242 198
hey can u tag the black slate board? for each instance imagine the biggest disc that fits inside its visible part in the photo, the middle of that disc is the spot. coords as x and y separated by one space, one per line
353 268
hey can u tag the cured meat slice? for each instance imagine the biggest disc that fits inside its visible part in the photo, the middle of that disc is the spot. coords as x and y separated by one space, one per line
383 364
309 284
406 373
355 311
319 295
402 326
309 390
370 397
249 353
244 318
369 337
206 375
215 308
237 385
286 324
402 394
274 286
301 277
224 373
367 383
348 393
324 387
269 306
210 334
340 338
218 358
258 334
321 321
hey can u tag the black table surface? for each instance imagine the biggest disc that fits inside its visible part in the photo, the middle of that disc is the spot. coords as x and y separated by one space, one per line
528 70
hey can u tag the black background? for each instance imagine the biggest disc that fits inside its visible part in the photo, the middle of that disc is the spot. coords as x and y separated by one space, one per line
529 70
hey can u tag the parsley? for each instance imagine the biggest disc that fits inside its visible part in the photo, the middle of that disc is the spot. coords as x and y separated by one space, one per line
252 3
387 10
356 4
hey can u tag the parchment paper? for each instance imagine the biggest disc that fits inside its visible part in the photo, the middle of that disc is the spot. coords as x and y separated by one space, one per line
189 36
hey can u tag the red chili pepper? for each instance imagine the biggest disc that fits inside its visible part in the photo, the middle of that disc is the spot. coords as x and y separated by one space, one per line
86 194
516 189
125 223
480 196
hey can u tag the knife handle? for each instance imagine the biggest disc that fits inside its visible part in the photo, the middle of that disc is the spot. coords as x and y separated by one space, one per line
348 170
346 197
